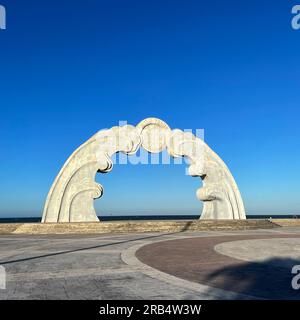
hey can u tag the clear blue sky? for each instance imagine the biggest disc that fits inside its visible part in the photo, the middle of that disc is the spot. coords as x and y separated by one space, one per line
70 68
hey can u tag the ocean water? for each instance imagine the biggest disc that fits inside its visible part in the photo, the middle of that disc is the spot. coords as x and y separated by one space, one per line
147 217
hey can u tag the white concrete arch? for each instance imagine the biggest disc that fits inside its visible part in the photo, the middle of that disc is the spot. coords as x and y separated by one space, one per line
71 197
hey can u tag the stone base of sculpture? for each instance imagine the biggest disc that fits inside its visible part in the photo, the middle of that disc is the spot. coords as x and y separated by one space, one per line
163 226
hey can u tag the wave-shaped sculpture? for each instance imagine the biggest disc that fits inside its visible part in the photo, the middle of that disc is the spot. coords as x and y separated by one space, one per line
71 197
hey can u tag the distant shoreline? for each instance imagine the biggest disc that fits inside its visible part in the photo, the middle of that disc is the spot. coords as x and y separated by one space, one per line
147 217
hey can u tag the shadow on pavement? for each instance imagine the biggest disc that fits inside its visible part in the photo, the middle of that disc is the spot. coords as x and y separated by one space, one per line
270 279
184 228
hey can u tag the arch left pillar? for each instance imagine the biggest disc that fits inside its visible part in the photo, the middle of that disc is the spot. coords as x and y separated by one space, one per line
71 197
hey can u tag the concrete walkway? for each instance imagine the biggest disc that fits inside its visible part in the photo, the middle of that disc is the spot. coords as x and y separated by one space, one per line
106 266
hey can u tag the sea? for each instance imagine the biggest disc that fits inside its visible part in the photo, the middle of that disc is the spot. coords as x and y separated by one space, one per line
146 217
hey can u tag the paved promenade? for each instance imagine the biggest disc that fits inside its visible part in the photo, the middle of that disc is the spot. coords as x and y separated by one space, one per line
253 264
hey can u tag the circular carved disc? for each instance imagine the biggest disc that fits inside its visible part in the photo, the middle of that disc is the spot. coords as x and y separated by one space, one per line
154 133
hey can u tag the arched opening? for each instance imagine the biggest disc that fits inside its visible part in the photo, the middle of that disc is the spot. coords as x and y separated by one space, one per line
158 190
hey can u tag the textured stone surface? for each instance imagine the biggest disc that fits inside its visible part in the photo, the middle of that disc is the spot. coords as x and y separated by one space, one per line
133 226
72 194
286 222
255 265
287 250
106 267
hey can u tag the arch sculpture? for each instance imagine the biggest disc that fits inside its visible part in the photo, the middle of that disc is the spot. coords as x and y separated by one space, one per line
71 197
